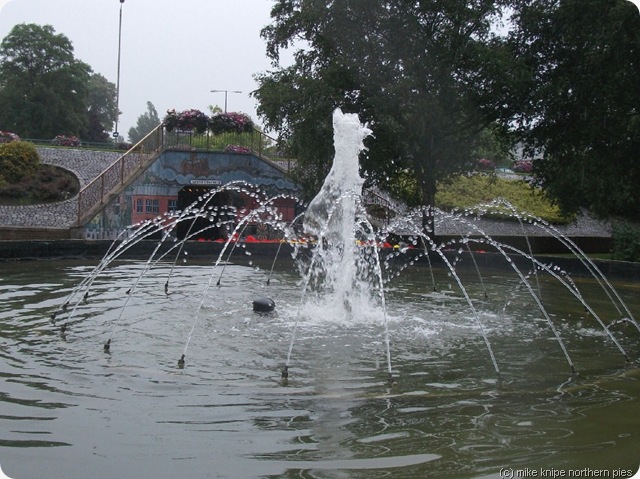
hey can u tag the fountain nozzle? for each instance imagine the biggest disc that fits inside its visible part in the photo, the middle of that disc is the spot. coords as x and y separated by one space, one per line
181 362
107 346
285 372
390 379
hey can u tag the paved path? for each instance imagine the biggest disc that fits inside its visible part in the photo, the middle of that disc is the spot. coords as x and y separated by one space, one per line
85 164
584 225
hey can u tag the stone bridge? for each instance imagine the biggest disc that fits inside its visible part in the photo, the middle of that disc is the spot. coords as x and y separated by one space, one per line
102 176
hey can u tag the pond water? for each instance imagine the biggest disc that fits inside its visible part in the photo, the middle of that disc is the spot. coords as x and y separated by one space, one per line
70 410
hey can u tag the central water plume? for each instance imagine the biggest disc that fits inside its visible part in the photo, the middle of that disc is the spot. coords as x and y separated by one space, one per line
344 269
343 183
336 218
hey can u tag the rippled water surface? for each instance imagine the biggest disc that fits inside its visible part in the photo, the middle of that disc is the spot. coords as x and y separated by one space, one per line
70 410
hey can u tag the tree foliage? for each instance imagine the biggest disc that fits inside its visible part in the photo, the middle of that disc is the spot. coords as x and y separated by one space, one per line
146 123
101 109
418 71
45 91
577 92
431 76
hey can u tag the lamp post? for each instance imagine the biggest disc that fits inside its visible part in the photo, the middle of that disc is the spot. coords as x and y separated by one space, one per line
115 133
226 92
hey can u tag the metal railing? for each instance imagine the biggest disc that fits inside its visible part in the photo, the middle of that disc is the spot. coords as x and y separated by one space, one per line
116 176
111 181
254 142
87 145
373 195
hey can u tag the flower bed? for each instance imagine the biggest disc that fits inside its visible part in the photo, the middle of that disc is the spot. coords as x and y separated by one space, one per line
62 140
522 166
230 123
8 137
195 120
485 165
237 149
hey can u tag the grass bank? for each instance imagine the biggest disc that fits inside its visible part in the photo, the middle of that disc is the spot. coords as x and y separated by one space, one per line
465 192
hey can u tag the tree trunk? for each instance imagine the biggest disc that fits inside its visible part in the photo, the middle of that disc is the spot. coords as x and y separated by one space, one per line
426 175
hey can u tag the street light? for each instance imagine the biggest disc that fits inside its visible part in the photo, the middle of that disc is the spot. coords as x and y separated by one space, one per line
226 92
115 133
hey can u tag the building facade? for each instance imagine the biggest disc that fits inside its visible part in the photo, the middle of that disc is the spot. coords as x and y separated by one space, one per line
178 179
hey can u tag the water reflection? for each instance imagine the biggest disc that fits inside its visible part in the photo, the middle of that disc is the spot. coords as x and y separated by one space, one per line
70 410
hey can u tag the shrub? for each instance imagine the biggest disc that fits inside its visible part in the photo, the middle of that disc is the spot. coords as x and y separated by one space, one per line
405 188
17 159
626 242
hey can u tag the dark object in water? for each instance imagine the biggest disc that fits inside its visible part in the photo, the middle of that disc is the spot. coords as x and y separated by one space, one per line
263 305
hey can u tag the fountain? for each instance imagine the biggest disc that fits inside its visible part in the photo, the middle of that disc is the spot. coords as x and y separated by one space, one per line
332 352
345 266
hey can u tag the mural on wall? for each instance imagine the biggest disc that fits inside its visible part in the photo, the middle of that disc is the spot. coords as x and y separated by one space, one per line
156 191
184 168
195 166
114 219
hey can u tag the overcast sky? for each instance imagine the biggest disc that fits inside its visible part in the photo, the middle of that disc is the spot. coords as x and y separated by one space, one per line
173 52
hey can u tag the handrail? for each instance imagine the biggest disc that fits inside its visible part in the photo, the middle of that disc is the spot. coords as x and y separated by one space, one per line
373 195
119 172
85 145
255 142
285 163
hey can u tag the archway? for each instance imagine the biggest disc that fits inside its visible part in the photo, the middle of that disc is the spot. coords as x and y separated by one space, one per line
204 228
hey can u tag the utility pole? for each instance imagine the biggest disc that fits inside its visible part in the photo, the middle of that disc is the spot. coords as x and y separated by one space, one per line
115 133
226 92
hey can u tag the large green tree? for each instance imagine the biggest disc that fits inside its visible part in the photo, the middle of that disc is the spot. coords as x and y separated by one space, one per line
43 88
101 109
577 91
421 72
146 123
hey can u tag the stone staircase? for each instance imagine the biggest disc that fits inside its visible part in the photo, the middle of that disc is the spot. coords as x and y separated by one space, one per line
102 174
